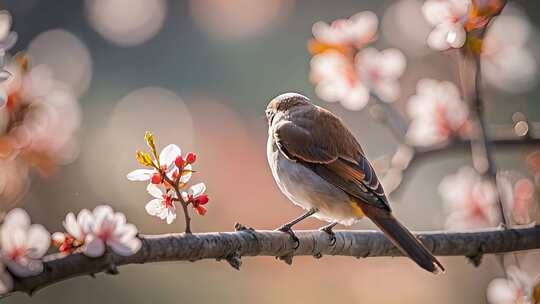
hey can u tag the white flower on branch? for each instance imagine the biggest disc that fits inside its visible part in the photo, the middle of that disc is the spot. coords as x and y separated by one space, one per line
469 199
195 195
22 244
358 30
166 161
163 205
437 113
517 288
110 229
93 231
380 71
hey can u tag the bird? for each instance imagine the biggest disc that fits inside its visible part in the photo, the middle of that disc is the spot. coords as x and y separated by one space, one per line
319 165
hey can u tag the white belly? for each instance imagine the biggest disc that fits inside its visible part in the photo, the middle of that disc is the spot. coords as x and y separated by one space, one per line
308 190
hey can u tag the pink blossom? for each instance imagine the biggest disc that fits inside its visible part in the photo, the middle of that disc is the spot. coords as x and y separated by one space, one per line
108 228
470 200
23 245
358 30
448 18
380 71
196 197
437 113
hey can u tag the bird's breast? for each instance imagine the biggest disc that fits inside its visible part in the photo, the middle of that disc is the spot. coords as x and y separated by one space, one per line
307 189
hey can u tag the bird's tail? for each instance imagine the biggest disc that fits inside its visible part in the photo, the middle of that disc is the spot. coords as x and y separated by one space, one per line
403 238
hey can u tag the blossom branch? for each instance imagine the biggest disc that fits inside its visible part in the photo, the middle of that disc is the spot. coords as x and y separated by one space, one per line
224 245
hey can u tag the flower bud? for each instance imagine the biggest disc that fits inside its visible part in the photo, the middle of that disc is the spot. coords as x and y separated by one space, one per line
179 161
191 158
156 179
201 210
202 199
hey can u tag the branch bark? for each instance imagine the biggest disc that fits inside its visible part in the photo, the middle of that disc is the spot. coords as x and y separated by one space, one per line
231 246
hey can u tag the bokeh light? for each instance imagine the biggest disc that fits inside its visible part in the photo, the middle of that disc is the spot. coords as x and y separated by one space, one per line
238 19
67 57
126 22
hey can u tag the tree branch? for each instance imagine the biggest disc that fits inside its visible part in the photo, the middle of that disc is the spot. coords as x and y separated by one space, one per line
233 245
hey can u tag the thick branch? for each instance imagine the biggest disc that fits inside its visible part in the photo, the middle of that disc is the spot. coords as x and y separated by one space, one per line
232 245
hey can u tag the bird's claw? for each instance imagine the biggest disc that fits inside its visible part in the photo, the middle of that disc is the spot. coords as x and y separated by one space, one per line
287 229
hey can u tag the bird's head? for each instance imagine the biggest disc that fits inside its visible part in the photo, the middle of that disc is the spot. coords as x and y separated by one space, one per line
285 102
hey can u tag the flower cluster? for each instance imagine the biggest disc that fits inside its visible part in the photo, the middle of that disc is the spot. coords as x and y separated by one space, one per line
38 118
168 181
22 246
453 19
344 70
92 232
470 200
437 113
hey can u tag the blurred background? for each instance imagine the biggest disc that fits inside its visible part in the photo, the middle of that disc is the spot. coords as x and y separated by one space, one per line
199 74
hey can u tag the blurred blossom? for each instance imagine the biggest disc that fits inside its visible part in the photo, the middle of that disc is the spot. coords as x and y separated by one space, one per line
518 196
448 17
23 245
238 19
336 80
517 288
437 113
404 26
380 71
469 200
126 22
452 19
7 37
65 55
356 31
507 62
40 118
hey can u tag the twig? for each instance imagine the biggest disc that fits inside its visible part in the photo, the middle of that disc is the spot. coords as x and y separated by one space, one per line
223 245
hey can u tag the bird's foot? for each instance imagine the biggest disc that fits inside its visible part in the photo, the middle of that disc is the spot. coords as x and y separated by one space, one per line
288 229
328 230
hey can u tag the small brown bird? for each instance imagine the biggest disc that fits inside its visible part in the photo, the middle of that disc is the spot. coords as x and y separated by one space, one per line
318 164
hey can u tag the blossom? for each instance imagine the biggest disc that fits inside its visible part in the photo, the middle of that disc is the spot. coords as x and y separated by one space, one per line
162 205
23 245
469 199
507 61
7 37
517 288
166 160
380 71
336 80
437 113
109 228
195 195
77 228
448 18
518 196
357 31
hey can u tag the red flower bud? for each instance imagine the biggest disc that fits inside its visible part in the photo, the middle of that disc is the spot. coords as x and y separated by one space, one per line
191 158
179 161
202 200
156 179
201 210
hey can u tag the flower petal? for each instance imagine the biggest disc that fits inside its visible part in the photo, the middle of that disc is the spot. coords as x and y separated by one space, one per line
38 241
17 218
169 154
6 282
25 267
197 189
155 207
140 175
127 248
171 216
154 191
94 247
186 175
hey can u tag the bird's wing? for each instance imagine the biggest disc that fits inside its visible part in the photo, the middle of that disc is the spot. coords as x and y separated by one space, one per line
320 141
